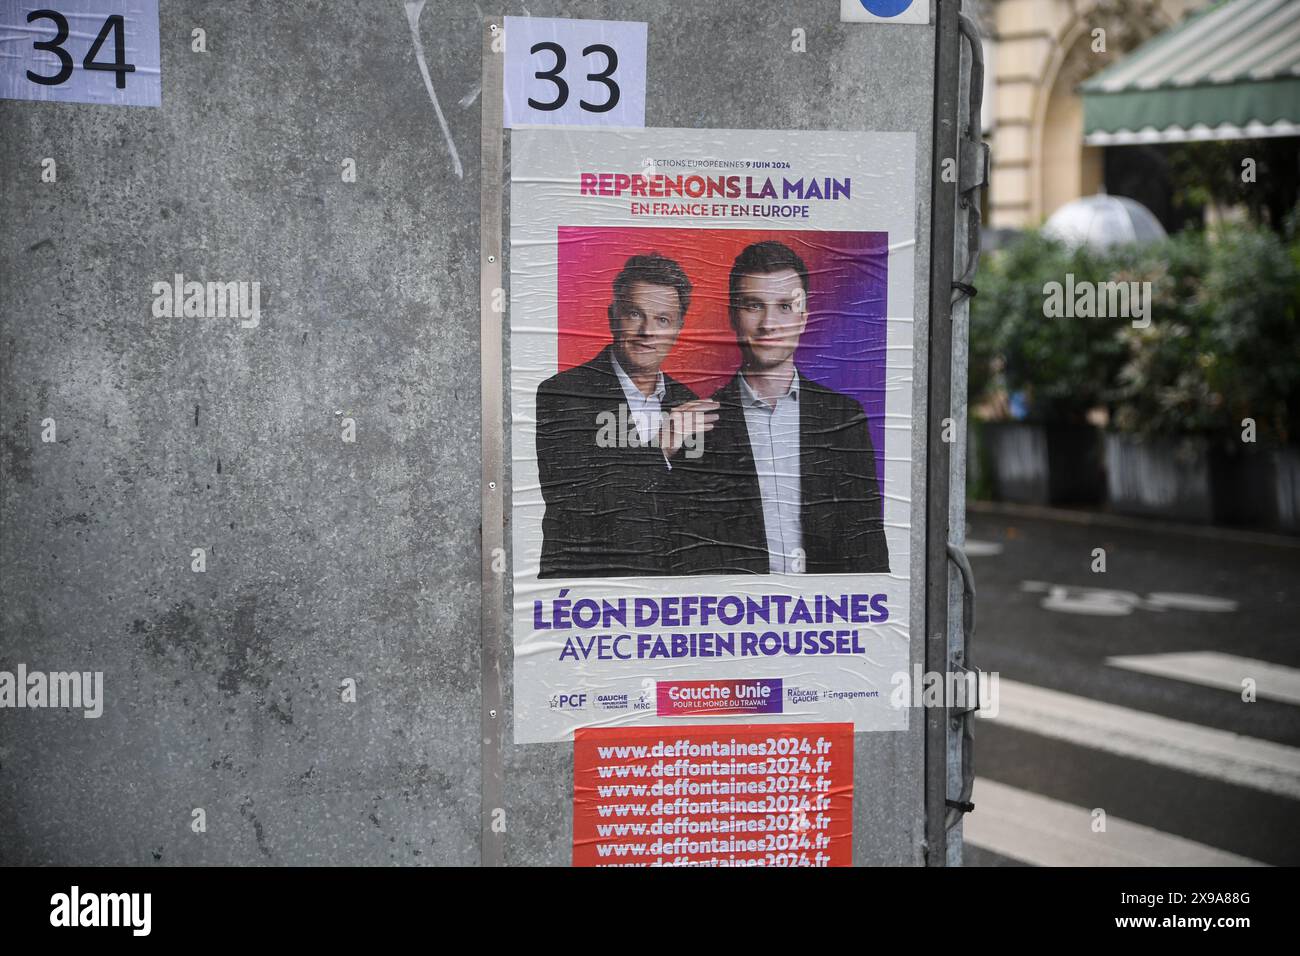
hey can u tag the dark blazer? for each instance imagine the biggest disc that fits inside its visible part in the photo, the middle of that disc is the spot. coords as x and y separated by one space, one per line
604 515
841 512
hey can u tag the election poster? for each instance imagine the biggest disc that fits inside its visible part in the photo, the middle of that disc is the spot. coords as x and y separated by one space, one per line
710 377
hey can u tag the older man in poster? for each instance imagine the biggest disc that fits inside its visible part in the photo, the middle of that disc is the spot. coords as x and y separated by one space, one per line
610 431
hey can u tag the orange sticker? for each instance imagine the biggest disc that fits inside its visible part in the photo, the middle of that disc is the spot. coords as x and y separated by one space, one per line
713 795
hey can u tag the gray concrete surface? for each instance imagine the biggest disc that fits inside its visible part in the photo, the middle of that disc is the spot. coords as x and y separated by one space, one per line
326 560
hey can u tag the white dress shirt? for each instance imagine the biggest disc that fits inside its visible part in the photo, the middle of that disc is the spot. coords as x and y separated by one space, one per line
774 440
644 411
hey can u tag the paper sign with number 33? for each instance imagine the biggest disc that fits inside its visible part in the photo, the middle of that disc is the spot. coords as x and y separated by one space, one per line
574 72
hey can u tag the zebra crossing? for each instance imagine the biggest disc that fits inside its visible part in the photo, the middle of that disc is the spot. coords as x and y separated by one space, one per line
1030 828
1153 757
1033 829
1225 671
1204 751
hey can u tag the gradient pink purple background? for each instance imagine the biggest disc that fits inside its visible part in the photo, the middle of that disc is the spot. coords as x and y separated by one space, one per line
843 346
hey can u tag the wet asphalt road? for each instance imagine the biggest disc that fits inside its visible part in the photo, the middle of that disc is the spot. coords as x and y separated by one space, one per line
1168 578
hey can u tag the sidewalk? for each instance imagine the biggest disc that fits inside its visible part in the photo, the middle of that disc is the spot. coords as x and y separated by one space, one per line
1107 519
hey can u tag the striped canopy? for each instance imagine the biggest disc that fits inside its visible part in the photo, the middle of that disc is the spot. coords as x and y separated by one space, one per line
1230 72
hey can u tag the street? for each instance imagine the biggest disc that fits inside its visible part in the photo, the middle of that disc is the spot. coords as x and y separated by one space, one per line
1121 695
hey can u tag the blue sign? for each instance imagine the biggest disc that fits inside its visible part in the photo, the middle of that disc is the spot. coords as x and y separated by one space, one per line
885 8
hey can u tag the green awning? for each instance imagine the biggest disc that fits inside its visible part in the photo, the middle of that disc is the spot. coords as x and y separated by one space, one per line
1230 72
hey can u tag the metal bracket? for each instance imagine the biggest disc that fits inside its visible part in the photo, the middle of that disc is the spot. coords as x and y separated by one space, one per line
964 716
962 710
973 159
938 452
492 623
974 165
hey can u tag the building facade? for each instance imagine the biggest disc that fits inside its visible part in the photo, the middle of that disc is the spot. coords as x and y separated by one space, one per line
1037 53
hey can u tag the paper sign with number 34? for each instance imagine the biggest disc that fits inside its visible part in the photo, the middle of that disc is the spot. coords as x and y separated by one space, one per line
81 51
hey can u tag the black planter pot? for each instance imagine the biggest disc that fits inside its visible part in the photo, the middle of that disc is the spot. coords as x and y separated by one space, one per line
1242 484
1287 489
1159 477
1045 464
1257 488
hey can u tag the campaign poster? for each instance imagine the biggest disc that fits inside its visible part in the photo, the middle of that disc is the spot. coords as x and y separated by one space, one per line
711 410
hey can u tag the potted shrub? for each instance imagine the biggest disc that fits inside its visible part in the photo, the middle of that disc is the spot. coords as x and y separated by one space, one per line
1251 296
1167 406
1054 370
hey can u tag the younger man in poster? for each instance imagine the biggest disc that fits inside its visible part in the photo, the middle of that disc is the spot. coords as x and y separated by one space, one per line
787 482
